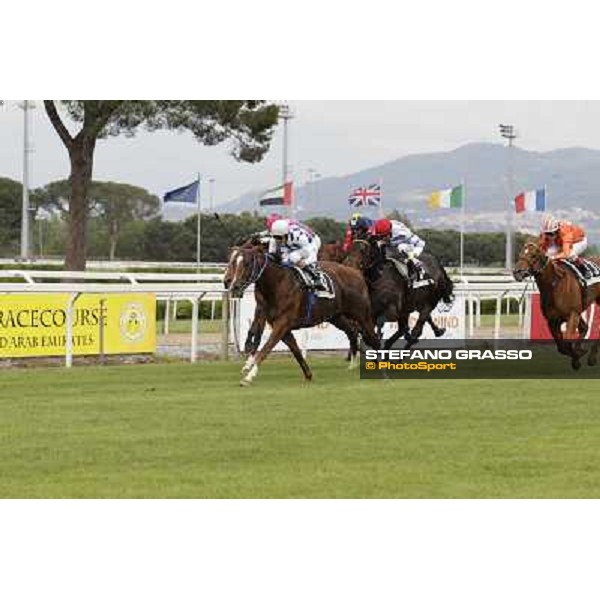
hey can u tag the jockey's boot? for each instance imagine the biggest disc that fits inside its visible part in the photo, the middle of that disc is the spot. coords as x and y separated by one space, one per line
413 271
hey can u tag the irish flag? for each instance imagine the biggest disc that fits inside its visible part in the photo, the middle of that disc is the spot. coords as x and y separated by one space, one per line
531 201
450 198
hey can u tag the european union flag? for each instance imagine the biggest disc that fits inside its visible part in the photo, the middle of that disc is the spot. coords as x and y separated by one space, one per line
187 194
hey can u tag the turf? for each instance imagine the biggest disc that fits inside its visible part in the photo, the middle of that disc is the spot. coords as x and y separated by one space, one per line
188 431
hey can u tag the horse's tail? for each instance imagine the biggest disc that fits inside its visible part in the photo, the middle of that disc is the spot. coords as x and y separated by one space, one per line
446 287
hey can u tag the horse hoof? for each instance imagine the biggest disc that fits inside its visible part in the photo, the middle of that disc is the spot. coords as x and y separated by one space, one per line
440 332
576 365
245 383
592 360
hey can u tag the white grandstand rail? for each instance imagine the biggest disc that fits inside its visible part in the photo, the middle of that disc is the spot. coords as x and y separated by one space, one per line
31 276
116 265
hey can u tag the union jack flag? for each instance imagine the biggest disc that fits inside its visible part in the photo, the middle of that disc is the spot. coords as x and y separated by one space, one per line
366 196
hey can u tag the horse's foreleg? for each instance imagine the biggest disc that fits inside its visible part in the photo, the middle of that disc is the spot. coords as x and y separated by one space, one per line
255 332
367 329
417 330
290 342
401 331
593 355
253 340
572 332
280 329
562 346
437 331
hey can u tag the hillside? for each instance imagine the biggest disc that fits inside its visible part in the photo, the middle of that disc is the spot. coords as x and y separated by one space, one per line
572 177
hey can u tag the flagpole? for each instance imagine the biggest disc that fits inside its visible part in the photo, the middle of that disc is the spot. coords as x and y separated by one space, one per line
198 227
381 215
462 226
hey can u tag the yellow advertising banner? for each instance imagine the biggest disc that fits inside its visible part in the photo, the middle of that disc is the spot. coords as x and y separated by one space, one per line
35 324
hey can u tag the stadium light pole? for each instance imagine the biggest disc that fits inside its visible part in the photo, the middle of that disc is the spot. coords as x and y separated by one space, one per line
508 133
285 114
25 105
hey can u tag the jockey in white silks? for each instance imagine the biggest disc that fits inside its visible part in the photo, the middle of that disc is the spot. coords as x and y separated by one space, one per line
298 244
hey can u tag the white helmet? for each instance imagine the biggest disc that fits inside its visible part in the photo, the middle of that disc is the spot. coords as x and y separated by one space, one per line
280 227
550 224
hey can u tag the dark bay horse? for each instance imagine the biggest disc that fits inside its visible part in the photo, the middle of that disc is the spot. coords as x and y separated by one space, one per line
288 306
563 300
392 298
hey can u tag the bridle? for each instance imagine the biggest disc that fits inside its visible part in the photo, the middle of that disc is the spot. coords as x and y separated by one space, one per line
367 245
256 272
543 262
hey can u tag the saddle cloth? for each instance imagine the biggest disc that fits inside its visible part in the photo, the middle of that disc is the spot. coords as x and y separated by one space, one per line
324 281
586 271
423 278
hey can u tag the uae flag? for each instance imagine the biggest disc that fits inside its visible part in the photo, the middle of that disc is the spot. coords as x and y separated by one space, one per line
279 196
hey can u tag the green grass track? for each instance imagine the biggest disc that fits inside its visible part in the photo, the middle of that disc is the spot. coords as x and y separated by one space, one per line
188 431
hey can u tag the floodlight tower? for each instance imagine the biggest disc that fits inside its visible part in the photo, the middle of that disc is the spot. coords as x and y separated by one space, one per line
508 132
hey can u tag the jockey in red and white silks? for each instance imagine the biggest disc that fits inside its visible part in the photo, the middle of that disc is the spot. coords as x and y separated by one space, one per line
400 237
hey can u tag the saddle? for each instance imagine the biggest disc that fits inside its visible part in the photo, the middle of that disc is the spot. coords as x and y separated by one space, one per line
315 281
417 276
586 271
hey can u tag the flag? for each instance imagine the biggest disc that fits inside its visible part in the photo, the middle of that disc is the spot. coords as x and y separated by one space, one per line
369 196
531 201
450 198
281 195
187 194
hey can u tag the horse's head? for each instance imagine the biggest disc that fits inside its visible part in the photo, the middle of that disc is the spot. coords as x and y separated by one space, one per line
245 266
530 262
362 255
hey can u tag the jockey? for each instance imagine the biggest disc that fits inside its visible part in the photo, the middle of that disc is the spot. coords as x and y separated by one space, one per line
271 219
357 228
397 236
561 239
299 245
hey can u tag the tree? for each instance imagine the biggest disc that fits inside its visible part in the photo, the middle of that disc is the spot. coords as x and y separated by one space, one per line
115 204
118 204
11 193
248 124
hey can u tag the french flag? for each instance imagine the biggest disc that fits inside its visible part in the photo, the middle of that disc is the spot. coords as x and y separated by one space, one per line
532 201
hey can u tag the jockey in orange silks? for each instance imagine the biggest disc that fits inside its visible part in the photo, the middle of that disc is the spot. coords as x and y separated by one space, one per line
561 239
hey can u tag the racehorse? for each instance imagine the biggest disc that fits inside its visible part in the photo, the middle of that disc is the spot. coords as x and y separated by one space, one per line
333 251
257 327
392 298
563 300
288 306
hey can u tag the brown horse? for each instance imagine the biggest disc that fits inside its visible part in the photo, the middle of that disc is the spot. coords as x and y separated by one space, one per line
257 327
563 300
288 306
333 251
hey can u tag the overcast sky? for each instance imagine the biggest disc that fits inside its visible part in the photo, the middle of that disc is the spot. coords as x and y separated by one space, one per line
332 137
